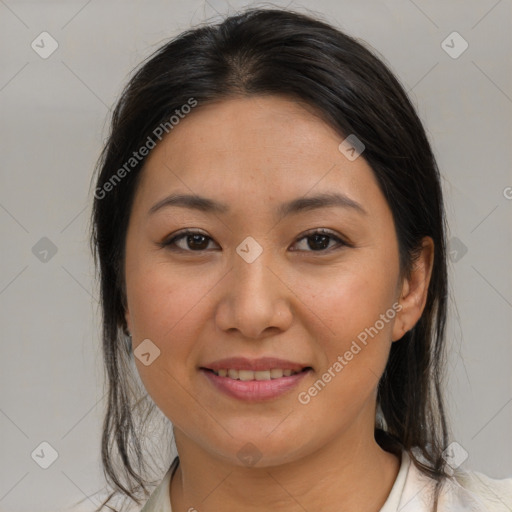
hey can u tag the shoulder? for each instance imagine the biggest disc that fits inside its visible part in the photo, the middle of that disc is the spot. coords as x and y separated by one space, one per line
464 491
160 501
479 492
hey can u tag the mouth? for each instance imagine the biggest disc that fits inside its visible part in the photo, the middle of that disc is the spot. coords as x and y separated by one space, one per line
254 380
248 375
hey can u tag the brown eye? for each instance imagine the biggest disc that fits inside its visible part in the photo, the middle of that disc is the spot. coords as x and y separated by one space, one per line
194 241
319 240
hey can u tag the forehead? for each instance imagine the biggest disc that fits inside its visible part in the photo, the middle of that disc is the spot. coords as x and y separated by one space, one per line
243 126
255 146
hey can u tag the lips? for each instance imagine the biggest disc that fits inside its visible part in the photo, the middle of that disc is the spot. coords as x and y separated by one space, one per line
254 380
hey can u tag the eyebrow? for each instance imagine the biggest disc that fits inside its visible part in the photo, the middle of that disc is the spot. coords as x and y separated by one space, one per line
205 204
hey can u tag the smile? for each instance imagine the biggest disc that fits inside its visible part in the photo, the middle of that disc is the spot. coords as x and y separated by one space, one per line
246 375
254 386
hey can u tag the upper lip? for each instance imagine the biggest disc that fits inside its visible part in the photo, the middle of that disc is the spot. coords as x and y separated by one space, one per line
263 363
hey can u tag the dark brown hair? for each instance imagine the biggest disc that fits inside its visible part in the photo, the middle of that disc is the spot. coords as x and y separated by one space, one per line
279 52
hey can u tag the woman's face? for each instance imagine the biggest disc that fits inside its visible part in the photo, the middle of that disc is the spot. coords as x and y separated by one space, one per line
256 282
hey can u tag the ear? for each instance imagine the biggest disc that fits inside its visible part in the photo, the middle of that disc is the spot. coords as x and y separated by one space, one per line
414 290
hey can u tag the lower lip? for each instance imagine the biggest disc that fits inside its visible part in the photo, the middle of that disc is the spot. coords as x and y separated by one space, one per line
255 390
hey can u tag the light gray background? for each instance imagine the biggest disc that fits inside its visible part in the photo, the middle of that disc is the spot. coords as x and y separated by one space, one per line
54 113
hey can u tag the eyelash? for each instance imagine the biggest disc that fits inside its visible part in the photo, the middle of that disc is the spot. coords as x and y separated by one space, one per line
170 244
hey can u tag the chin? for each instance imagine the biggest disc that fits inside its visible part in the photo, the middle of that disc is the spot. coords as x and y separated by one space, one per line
258 450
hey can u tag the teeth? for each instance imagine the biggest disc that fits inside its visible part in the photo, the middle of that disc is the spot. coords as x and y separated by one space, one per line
245 375
276 373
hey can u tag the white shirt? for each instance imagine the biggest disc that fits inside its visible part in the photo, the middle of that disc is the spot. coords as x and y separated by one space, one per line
467 492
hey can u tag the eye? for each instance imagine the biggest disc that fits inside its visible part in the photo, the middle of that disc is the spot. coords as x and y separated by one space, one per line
319 240
194 241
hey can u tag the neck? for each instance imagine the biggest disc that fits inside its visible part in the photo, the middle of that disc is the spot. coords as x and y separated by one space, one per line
357 474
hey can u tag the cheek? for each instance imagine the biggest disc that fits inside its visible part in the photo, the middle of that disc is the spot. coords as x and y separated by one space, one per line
166 307
163 299
353 319
349 301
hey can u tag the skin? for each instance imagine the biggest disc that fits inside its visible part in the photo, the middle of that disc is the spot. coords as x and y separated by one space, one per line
292 302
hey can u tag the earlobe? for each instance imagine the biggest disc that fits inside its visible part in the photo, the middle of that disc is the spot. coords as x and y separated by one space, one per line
414 292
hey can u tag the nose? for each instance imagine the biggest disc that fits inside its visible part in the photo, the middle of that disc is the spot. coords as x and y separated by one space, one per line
255 301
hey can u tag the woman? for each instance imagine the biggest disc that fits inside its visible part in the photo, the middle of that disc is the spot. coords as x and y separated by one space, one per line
270 233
